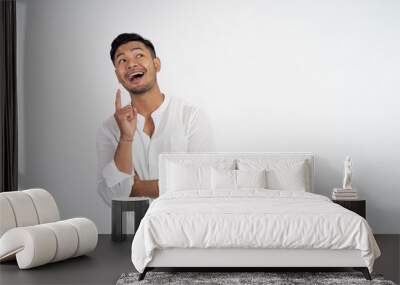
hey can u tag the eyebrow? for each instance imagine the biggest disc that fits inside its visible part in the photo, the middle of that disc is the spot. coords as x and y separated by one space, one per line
121 53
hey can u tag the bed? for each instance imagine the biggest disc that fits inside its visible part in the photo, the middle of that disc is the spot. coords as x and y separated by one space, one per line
246 210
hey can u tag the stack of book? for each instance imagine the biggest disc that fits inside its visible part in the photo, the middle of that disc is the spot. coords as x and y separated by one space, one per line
344 194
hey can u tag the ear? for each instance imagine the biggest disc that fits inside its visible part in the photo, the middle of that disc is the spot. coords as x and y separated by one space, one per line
157 64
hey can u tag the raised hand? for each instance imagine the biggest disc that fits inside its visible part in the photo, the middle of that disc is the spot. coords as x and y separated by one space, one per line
125 117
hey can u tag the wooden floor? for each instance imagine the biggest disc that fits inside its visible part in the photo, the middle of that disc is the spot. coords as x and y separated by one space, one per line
111 259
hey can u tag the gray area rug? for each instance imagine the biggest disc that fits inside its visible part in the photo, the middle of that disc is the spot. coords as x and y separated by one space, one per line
225 278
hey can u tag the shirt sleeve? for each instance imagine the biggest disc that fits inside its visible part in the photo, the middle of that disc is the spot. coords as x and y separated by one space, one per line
111 182
200 134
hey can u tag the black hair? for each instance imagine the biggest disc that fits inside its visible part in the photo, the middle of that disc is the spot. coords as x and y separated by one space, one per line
125 38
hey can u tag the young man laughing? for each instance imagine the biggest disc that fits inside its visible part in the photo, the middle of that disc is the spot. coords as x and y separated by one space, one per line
130 141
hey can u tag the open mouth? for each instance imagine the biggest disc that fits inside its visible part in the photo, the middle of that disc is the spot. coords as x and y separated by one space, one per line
135 76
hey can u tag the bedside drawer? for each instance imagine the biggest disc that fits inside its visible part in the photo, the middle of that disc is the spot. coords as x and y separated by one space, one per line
357 206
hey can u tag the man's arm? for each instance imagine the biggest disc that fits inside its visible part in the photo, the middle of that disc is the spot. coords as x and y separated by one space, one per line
126 120
123 156
110 181
114 166
148 188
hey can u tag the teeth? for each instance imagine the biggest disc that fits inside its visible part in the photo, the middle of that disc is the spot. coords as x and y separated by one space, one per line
135 73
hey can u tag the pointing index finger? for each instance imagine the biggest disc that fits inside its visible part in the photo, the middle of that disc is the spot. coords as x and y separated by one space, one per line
118 100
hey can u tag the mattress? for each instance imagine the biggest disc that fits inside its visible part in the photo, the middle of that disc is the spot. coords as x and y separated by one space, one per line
250 219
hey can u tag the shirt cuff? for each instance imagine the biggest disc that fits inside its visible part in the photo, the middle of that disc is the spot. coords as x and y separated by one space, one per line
113 176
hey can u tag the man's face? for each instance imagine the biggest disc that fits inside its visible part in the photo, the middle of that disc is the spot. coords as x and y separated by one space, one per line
135 68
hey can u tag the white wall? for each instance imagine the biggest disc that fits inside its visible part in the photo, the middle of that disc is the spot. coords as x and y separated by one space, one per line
320 76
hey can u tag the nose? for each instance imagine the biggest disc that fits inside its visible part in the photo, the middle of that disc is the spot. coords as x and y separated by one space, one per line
131 64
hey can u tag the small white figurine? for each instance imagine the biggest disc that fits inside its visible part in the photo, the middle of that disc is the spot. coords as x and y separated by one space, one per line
347 174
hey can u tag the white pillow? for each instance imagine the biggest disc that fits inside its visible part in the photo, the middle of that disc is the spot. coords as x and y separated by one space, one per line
186 177
236 179
282 174
251 178
287 179
223 179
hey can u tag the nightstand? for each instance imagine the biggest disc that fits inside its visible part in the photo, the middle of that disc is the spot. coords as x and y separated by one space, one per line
139 205
357 206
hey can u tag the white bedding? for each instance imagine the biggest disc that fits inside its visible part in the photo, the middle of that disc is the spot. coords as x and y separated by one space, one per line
250 218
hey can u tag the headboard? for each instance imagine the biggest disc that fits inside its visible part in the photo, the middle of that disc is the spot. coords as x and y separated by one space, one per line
164 158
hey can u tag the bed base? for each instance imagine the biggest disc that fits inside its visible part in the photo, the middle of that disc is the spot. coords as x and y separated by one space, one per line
250 259
364 270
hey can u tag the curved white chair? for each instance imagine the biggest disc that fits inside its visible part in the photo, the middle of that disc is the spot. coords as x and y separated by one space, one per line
32 233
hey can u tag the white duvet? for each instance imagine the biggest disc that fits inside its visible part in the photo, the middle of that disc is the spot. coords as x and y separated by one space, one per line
251 218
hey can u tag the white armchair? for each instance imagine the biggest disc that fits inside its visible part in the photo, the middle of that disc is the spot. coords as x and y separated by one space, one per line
31 230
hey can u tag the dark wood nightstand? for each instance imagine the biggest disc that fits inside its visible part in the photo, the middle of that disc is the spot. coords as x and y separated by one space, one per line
357 206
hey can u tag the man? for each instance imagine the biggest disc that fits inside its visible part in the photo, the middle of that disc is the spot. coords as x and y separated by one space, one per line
130 141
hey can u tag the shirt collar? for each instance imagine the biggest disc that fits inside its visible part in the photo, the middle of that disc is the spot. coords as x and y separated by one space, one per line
155 115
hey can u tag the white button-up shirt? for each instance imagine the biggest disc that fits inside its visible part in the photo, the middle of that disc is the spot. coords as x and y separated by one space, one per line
178 127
